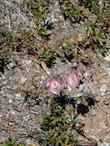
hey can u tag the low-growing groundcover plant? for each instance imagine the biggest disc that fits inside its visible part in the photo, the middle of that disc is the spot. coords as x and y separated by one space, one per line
39 10
48 57
95 16
57 127
12 141
61 126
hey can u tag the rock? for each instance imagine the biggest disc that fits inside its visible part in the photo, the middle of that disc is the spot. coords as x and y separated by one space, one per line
10 101
103 88
101 144
23 79
80 94
106 144
81 88
106 141
11 65
12 112
29 142
18 95
106 101
3 137
108 71
80 91
107 58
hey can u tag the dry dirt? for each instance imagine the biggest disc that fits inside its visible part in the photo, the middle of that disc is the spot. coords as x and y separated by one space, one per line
22 75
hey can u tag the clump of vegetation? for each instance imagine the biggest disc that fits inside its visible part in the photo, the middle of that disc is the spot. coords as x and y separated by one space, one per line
11 141
69 48
60 126
68 51
40 11
96 29
72 11
96 37
57 127
48 57
93 5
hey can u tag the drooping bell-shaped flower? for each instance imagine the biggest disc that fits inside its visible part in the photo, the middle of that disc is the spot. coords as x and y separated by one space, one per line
73 79
57 84
54 85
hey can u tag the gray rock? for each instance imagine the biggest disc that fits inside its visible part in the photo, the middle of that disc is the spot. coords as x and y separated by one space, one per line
106 141
29 142
108 71
103 88
80 94
81 88
101 144
106 144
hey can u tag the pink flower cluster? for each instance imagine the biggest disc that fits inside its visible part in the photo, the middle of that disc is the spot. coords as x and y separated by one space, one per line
70 82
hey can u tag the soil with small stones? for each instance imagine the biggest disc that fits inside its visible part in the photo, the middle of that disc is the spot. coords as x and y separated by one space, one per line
20 115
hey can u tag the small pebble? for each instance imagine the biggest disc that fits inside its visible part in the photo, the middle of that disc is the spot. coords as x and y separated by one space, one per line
18 95
80 94
29 142
10 101
104 88
107 58
28 62
106 144
12 112
106 141
106 101
81 88
23 80
108 71
10 65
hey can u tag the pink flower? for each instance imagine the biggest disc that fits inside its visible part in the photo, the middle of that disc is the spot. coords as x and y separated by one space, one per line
70 82
54 85
73 80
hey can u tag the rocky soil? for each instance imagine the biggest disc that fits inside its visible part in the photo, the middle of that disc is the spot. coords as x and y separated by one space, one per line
21 114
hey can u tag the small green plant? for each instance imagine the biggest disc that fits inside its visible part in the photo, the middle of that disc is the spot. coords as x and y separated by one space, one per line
48 57
2 53
13 38
12 141
103 18
92 5
95 8
39 9
68 51
40 12
29 43
96 37
67 47
89 27
74 13
57 129
44 29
